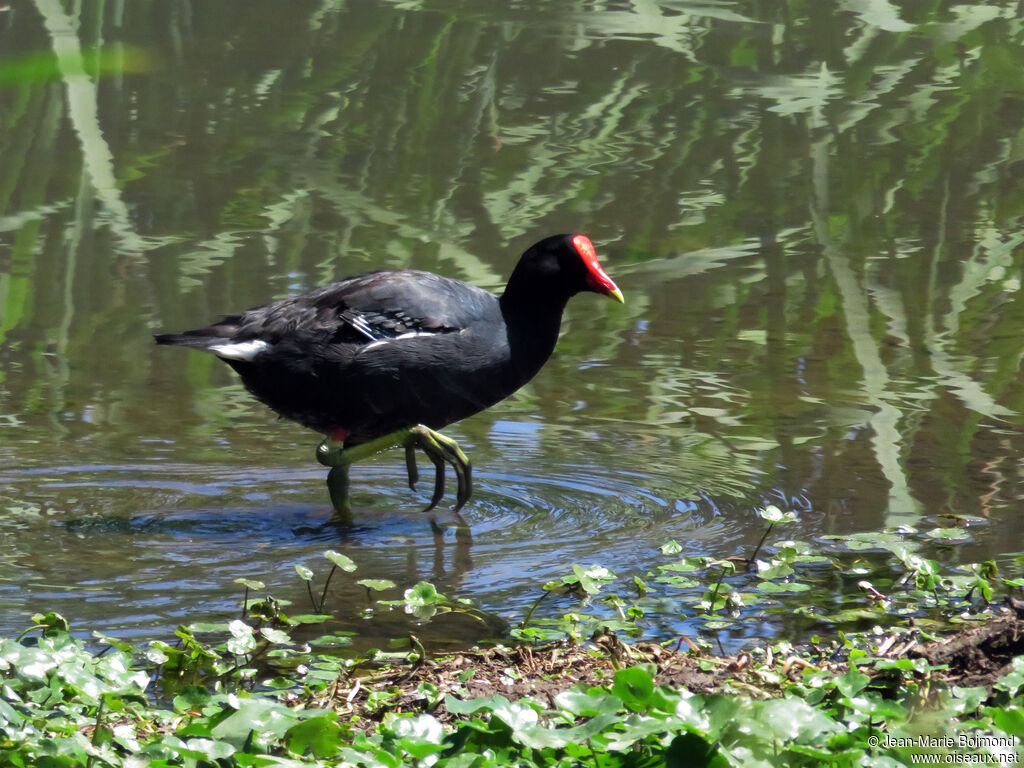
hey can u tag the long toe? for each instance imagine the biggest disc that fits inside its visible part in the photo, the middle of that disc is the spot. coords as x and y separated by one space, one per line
410 465
465 484
438 481
425 439
454 455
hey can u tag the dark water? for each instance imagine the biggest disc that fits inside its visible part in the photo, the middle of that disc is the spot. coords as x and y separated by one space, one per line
813 209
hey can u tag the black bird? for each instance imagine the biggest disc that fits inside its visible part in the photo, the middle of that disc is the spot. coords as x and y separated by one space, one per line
386 358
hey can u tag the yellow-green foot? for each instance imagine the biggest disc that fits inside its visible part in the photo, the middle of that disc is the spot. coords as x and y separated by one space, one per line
440 449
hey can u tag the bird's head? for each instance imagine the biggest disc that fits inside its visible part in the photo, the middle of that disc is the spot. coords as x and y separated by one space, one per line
565 265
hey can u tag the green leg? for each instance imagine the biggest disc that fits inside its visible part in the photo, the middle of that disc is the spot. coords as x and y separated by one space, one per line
337 487
439 448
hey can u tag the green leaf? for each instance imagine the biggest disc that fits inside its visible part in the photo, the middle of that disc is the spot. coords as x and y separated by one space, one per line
419 735
9 714
792 718
679 582
641 586
192 697
251 584
539 737
51 622
304 573
243 640
1012 681
202 750
1008 719
690 750
422 593
264 717
537 635
157 655
331 640
320 735
594 702
458 706
775 587
591 579
687 564
904 665
773 570
968 699
340 560
949 534
635 686
275 636
774 515
852 683
378 585
515 714
120 645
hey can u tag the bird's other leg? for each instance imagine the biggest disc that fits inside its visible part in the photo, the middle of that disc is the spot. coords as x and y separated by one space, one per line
440 449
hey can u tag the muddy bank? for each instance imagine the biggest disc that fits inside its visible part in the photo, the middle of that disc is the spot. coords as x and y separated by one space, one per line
975 656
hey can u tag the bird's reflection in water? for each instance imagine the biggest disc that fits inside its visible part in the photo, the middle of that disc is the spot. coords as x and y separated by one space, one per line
349 532
462 559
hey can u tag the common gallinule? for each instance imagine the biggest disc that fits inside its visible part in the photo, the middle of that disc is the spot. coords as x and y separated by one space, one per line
386 358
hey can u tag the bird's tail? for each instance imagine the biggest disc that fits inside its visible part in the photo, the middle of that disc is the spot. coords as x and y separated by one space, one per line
203 338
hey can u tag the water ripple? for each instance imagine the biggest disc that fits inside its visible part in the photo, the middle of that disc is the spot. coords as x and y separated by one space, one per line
148 545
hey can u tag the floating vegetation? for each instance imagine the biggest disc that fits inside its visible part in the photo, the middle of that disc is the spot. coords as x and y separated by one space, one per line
263 689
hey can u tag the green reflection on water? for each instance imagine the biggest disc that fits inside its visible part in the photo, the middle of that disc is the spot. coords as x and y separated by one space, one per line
816 216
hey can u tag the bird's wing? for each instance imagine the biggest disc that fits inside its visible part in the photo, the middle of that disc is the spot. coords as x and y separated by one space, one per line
371 307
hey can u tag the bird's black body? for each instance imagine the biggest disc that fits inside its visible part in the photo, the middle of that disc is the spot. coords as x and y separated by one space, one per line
383 351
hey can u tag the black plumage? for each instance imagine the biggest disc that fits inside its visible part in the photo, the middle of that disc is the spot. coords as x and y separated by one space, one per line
383 351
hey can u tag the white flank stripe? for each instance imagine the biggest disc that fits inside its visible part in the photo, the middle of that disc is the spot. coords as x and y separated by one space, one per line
240 350
406 335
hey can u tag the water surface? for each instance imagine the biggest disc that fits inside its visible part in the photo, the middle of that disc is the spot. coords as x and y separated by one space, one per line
814 213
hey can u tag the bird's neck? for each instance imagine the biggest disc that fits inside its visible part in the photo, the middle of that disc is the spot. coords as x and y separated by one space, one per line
533 318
